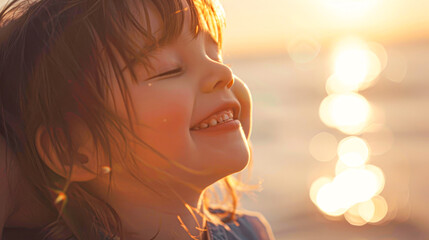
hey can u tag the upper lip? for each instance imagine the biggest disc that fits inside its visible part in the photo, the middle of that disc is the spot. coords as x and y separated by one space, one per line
234 105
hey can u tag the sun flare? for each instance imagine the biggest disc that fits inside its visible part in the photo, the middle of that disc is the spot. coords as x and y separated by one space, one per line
350 8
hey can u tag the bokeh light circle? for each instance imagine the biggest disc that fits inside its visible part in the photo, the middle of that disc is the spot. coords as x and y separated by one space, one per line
353 151
381 209
349 113
355 68
303 48
316 186
323 147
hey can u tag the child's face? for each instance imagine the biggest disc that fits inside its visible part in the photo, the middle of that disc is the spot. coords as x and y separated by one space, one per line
188 84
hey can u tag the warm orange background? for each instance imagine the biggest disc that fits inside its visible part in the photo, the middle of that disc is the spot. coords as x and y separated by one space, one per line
262 26
286 50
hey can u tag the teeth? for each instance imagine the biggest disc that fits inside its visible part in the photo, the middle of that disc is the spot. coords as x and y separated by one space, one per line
213 122
226 117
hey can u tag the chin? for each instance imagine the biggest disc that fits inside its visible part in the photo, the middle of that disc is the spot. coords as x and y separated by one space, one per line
235 162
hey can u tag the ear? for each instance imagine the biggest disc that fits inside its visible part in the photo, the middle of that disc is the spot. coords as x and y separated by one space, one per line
82 162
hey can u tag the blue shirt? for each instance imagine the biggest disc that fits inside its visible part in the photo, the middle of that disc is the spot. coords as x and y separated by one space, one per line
251 226
247 226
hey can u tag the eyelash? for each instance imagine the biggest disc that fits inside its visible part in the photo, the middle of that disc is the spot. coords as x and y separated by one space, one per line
174 71
170 72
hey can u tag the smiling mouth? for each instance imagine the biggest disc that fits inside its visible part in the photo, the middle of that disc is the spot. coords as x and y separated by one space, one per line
215 120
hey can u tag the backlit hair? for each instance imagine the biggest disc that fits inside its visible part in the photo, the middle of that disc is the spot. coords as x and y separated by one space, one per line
53 57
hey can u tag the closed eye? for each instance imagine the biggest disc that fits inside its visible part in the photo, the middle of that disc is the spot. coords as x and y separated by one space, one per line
167 73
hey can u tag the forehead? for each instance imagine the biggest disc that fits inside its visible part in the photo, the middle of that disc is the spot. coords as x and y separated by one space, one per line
145 25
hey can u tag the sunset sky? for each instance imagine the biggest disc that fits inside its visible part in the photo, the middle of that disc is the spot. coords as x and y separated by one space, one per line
258 26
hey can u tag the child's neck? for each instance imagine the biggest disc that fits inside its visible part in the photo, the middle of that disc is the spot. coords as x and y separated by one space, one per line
143 213
144 223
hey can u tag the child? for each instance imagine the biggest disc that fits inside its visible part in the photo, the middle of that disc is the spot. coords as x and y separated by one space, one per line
121 115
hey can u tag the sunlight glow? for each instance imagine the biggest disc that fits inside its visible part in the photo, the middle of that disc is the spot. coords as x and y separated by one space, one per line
380 209
366 210
371 211
353 217
341 167
316 186
380 51
347 112
335 85
353 151
355 68
379 175
351 65
350 8
349 187
331 201
353 192
357 185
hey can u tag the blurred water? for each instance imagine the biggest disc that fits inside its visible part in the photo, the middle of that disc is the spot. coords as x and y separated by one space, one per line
286 99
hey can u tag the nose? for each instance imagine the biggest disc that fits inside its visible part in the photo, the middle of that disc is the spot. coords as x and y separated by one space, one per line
216 75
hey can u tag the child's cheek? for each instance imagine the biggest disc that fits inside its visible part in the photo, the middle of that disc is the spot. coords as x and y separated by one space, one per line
164 114
242 93
164 108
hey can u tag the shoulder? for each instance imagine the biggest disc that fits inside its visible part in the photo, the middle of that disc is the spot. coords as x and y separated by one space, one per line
248 225
256 222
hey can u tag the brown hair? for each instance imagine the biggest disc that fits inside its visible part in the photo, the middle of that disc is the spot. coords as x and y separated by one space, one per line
51 58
